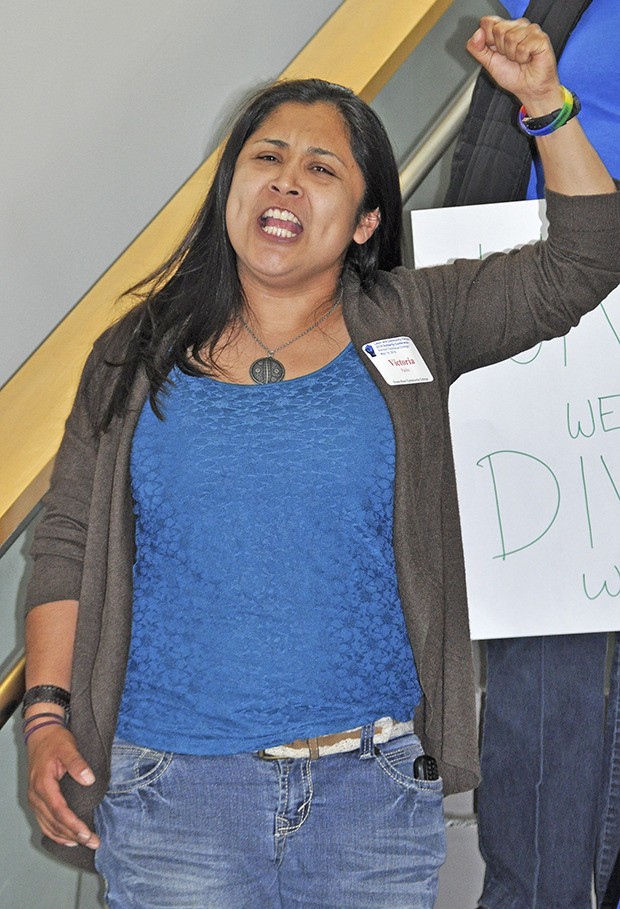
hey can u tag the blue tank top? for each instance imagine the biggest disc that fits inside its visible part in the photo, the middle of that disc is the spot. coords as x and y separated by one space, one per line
265 598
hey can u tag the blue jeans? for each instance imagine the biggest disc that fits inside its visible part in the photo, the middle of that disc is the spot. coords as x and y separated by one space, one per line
239 832
609 832
542 771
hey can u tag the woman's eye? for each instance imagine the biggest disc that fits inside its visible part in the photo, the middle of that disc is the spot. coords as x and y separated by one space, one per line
267 157
321 169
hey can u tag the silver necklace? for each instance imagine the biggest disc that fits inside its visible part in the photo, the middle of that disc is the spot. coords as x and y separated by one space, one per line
267 369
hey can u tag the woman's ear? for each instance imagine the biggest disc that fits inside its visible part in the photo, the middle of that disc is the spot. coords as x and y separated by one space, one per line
366 226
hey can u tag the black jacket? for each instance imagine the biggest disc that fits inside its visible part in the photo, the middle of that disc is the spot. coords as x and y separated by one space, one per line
493 157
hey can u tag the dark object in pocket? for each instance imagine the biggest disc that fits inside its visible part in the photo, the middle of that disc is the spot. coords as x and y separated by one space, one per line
425 768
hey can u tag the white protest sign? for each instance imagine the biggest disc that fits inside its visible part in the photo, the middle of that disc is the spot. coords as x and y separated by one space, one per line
537 450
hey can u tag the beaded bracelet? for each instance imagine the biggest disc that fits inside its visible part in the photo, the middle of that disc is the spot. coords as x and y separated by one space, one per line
544 126
48 694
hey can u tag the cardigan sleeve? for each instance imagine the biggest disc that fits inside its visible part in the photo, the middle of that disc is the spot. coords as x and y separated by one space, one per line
60 538
491 309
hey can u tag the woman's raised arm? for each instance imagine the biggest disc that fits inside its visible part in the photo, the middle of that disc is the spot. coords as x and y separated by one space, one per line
518 55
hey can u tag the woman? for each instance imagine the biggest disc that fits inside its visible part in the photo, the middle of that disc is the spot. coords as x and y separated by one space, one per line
292 487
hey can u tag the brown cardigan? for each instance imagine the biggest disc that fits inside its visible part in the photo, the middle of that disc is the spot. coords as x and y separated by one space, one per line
460 317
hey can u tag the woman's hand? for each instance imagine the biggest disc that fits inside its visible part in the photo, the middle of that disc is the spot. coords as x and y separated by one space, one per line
52 753
518 55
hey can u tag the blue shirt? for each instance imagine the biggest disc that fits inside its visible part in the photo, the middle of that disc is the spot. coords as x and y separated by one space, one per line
265 598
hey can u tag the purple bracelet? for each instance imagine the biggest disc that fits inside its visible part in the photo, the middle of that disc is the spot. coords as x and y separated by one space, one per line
39 716
58 722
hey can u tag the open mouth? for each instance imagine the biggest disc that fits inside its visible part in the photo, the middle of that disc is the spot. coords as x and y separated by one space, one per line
279 222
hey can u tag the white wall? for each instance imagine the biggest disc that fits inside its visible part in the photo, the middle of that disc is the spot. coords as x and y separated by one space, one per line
106 108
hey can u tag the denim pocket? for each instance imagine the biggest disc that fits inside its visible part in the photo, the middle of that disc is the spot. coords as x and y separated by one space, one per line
133 767
396 759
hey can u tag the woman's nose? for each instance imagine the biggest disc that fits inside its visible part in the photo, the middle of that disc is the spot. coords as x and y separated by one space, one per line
287 181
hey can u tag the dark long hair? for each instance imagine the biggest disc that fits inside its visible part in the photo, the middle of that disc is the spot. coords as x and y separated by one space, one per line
186 304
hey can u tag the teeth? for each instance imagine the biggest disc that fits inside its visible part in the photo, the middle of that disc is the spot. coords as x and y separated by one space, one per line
278 231
281 215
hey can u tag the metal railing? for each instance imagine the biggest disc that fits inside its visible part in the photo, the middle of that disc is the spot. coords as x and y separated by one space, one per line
12 688
423 158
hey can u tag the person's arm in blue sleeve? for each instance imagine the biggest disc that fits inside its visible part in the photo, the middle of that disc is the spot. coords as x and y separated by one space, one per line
515 8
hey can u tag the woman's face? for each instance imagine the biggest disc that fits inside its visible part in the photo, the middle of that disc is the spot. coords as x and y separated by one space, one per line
293 205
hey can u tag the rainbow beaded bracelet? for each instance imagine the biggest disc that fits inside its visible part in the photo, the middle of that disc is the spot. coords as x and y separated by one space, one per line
544 126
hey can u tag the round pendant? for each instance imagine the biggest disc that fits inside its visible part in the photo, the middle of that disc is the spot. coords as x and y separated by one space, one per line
266 370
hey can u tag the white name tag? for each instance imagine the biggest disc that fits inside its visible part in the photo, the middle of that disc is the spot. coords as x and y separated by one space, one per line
398 360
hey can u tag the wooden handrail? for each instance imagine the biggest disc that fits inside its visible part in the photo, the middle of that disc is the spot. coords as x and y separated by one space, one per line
35 402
